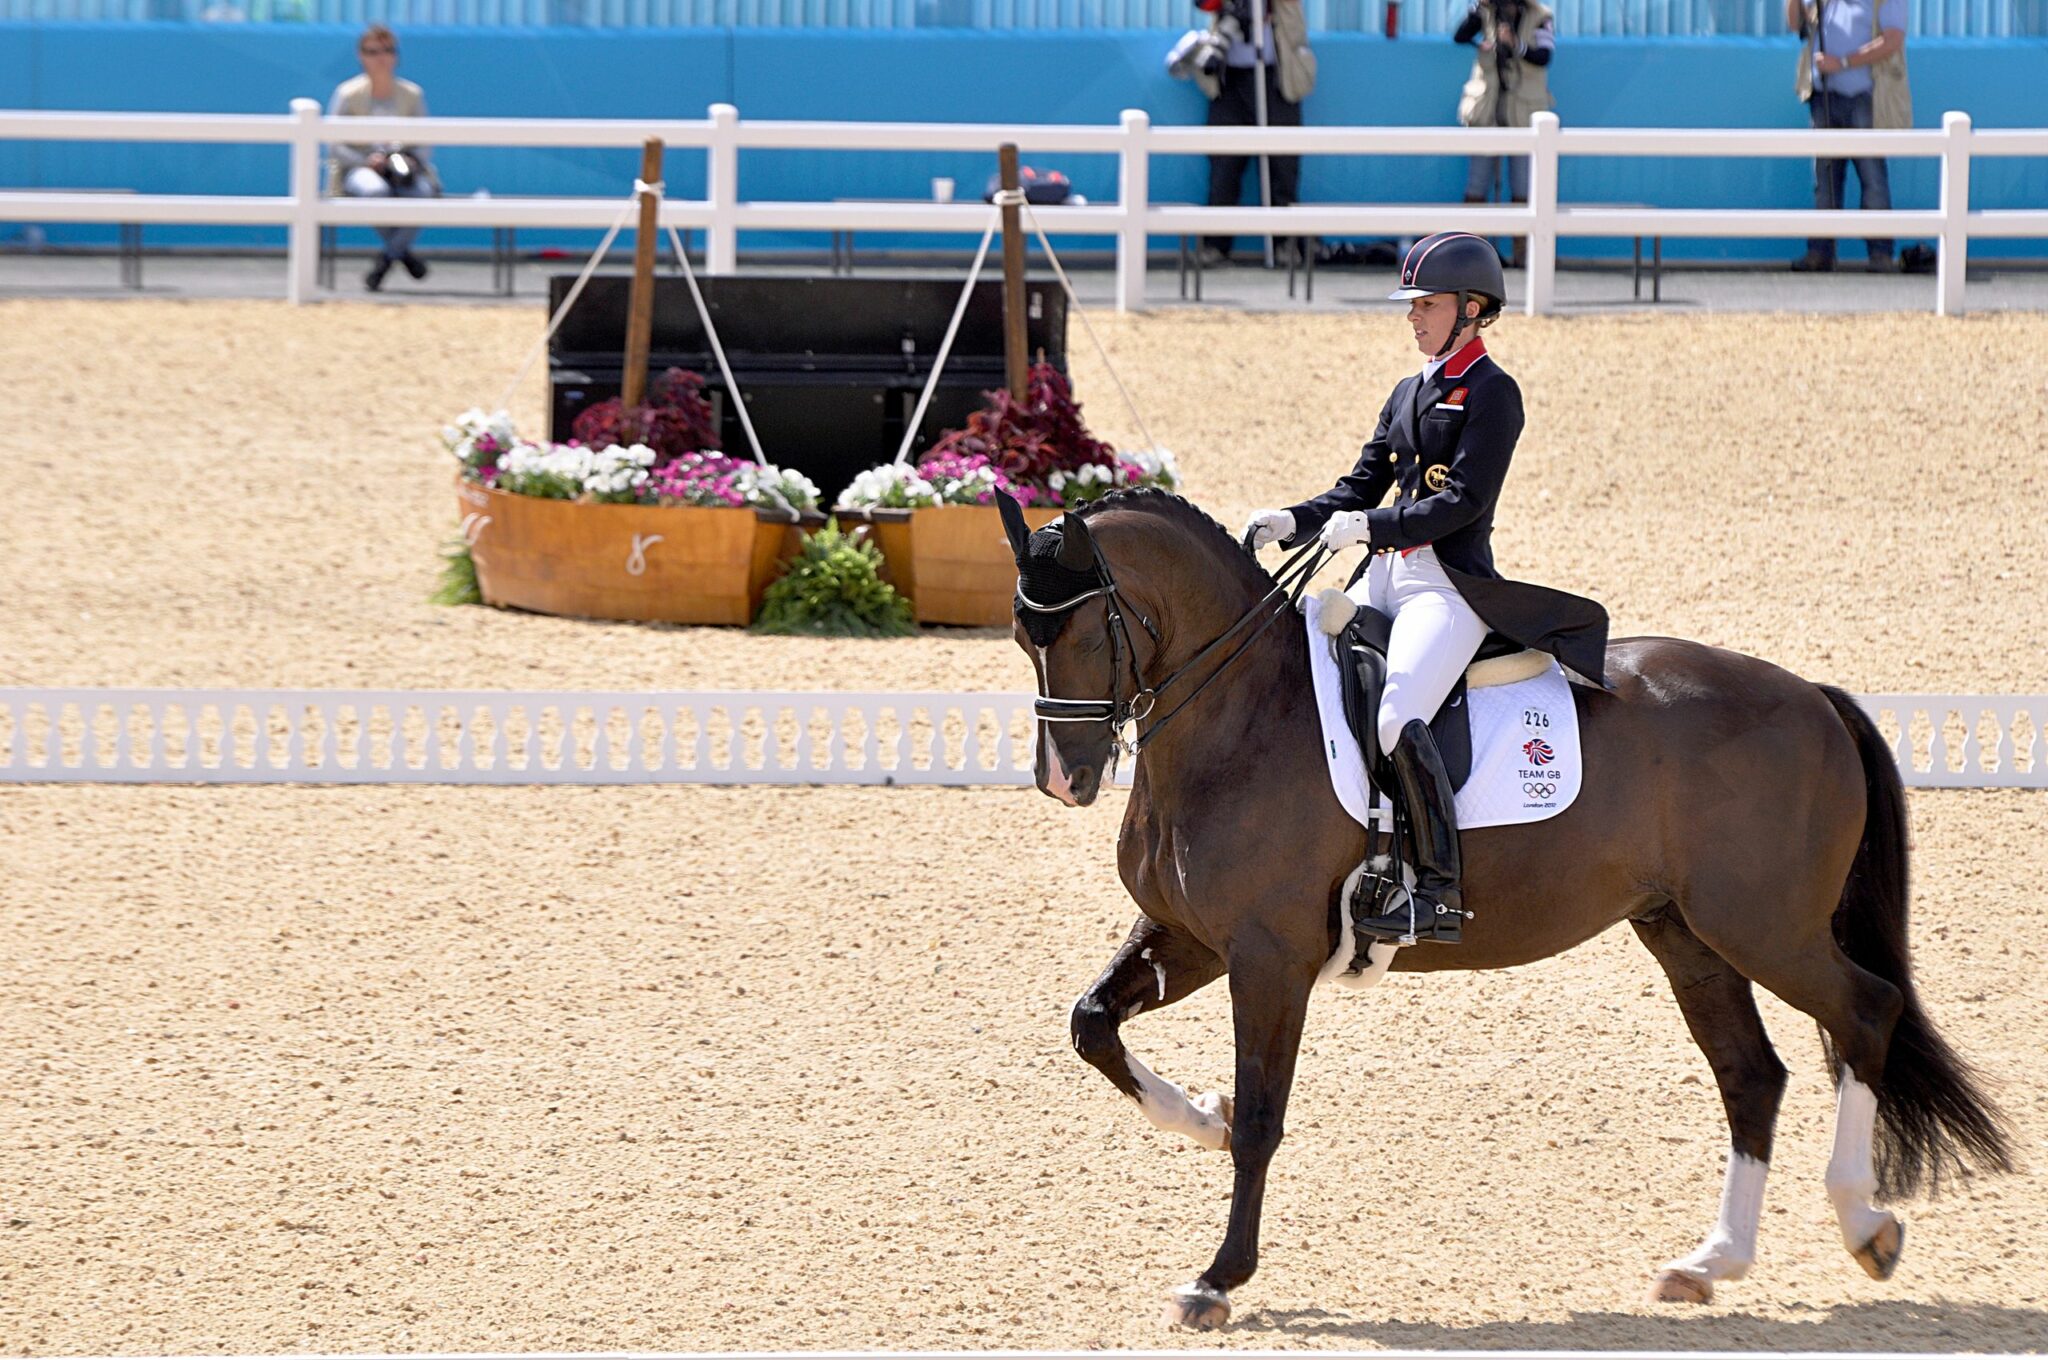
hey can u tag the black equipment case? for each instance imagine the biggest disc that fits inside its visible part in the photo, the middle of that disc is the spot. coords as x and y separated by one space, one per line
831 367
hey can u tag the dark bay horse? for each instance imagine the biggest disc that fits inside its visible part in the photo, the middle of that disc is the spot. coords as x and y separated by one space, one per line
1748 824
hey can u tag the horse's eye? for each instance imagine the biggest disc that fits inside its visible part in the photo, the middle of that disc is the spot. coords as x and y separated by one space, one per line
1091 644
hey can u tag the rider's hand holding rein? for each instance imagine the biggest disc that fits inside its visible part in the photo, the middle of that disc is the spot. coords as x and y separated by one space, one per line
1347 529
1267 527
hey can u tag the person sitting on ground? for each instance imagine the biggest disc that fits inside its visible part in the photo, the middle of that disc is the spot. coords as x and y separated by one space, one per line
1442 446
384 170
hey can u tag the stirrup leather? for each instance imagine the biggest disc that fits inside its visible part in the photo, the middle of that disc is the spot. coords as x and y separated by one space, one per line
1434 909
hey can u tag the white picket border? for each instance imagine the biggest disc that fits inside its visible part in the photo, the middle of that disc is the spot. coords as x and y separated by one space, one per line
332 736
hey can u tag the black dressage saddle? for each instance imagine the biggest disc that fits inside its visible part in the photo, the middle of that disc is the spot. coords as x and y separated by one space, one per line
1362 657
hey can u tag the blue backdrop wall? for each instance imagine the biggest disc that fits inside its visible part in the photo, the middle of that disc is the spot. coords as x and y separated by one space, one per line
1081 77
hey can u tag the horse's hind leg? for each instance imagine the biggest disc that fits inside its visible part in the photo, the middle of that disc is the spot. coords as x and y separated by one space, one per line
1720 1010
1156 967
1857 1010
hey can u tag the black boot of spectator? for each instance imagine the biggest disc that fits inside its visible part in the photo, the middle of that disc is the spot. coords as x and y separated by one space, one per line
414 265
374 280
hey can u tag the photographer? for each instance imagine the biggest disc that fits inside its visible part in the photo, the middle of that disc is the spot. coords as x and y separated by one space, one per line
1853 46
385 170
1226 67
1508 87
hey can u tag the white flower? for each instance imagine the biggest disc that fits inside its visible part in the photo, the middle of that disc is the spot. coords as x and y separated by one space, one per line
462 436
894 485
1158 467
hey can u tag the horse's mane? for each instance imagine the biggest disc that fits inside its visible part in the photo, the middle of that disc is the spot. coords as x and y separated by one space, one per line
1197 522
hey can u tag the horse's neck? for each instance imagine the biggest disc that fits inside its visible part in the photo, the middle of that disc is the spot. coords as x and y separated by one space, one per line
1244 710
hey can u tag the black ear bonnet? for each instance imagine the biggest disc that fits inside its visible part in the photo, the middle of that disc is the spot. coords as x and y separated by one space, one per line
1043 578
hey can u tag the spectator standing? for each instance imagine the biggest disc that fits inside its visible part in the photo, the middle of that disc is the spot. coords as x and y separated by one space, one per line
1508 87
1851 46
385 170
1225 66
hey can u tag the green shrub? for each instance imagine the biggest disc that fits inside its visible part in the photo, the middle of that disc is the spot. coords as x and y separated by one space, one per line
834 588
458 577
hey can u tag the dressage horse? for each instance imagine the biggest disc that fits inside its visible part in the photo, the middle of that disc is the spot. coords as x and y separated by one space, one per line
1748 824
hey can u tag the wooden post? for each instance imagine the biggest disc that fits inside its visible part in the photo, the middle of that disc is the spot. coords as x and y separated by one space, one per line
1013 275
640 308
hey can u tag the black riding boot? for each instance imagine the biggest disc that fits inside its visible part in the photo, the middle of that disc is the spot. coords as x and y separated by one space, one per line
1436 910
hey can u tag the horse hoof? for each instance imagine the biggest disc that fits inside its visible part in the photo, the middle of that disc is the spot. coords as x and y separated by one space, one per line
1879 1257
1678 1286
1196 1307
1217 1111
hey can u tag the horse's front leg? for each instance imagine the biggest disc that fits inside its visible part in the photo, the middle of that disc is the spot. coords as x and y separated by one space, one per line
1156 967
1269 991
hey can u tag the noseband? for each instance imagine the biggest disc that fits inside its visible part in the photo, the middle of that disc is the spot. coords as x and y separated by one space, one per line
1120 712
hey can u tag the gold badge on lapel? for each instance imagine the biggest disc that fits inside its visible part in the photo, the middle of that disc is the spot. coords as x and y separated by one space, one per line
1438 476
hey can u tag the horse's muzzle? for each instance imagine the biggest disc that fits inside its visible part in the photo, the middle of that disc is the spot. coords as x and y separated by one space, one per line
1076 787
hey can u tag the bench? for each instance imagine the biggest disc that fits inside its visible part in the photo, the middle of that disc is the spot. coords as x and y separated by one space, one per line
1636 266
504 257
130 233
1303 259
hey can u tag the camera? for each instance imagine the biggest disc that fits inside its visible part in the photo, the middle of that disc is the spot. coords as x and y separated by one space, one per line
1233 25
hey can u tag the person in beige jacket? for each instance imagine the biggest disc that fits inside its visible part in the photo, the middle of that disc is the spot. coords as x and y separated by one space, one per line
385 170
1225 66
1508 87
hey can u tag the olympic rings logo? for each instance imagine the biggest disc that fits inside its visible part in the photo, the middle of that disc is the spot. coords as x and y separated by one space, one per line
1539 789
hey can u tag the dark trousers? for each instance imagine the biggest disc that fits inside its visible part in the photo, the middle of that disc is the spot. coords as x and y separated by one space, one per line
1831 177
1235 107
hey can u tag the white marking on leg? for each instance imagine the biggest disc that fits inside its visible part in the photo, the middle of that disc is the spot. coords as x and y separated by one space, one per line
1851 1180
1730 1249
1158 971
1171 1111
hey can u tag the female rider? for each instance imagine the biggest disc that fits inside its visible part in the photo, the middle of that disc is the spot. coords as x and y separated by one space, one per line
1443 444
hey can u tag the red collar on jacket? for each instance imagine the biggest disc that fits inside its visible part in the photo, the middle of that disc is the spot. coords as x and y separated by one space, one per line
1455 367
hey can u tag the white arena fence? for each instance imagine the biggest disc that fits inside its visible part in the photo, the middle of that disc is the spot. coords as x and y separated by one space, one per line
303 210
276 736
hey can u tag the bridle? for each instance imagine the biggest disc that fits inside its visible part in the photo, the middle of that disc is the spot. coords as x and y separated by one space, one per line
1120 712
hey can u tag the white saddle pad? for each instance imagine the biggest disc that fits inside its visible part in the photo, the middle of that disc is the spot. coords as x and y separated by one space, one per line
1525 743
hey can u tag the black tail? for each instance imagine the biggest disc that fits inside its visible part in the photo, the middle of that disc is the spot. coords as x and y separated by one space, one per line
1932 1117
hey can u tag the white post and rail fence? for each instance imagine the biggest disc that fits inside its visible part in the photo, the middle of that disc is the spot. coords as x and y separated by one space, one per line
276 736
303 210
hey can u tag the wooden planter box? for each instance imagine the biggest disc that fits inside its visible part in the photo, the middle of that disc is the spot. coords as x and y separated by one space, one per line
671 564
962 570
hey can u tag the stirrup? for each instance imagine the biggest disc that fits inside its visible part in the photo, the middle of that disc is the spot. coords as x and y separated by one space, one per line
1404 918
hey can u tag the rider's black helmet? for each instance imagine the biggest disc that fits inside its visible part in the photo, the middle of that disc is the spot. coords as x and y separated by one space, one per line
1454 262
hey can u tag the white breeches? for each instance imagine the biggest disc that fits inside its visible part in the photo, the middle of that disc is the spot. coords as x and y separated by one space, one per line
1435 636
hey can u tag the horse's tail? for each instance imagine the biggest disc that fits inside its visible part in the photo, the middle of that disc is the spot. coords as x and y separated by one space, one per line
1932 1115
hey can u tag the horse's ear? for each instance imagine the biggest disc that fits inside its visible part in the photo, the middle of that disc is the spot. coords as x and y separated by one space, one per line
1077 550
1013 523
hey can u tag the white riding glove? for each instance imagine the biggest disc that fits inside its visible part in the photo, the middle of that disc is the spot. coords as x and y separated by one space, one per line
1346 529
1269 526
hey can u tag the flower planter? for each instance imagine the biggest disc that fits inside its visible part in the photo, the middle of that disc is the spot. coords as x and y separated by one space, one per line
672 564
961 567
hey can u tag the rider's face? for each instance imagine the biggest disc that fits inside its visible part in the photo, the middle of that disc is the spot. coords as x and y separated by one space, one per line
1430 317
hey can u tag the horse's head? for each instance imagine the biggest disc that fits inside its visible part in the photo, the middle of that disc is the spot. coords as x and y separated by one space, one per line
1068 621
